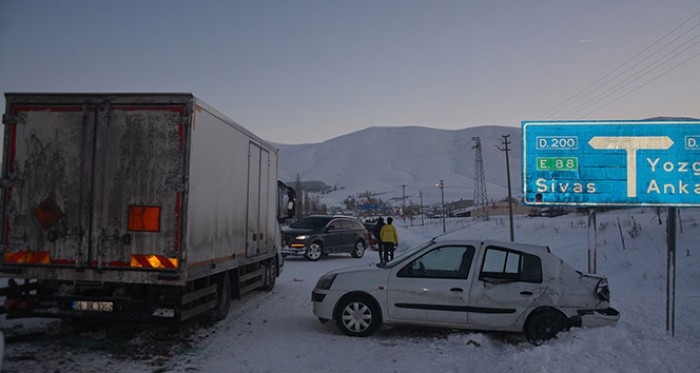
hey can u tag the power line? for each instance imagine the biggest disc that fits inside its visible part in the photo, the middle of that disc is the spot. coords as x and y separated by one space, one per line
575 98
657 77
648 69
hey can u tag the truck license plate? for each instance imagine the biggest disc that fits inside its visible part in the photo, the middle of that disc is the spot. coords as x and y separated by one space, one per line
81 305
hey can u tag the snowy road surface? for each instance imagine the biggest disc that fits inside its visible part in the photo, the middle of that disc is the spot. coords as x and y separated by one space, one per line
277 332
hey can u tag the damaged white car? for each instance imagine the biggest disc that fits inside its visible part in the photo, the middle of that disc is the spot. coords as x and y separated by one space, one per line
466 284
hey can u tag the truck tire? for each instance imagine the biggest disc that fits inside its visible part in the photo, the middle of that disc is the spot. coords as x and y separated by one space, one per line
269 274
223 297
314 251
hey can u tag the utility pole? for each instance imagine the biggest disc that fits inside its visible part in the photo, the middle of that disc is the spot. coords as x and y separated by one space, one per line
422 214
441 185
510 197
481 202
403 201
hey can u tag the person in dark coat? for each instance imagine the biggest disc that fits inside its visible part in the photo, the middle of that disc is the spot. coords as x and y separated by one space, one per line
378 236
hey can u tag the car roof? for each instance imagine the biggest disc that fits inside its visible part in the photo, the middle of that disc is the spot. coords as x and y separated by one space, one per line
524 247
331 216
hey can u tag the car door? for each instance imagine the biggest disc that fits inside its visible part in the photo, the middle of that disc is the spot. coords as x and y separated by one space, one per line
508 283
333 235
357 231
432 288
346 239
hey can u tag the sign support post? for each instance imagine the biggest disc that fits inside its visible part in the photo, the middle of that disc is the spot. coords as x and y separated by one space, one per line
592 241
671 272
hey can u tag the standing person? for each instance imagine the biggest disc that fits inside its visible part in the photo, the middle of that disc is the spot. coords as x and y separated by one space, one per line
390 239
378 236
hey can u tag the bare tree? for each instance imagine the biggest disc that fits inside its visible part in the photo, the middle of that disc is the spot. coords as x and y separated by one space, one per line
299 191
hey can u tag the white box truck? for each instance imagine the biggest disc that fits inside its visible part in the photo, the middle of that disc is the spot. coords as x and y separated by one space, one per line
146 206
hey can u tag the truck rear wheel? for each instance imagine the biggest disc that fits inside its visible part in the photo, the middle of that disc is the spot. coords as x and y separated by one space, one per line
269 274
223 297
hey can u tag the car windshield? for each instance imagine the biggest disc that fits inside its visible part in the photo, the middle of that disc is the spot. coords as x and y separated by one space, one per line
312 222
399 259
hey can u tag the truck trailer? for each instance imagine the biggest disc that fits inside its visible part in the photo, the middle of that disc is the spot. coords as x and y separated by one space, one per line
134 206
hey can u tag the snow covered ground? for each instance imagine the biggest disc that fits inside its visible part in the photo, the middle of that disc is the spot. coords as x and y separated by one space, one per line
277 332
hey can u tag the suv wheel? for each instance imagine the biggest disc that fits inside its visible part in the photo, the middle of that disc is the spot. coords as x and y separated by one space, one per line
359 250
314 251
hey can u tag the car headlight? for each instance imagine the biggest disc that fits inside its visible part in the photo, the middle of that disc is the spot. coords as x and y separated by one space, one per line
302 237
325 282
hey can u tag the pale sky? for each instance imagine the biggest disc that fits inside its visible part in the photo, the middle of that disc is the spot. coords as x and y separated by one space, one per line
305 71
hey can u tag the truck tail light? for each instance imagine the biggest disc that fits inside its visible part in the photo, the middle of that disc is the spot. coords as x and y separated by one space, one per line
144 218
16 304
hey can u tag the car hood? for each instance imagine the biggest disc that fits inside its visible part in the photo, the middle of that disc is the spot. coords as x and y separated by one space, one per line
357 269
362 278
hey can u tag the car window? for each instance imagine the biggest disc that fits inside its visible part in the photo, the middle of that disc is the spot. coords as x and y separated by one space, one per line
334 225
357 225
512 265
311 222
442 262
344 224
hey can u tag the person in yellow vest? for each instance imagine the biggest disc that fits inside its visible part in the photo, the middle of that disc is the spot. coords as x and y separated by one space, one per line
390 239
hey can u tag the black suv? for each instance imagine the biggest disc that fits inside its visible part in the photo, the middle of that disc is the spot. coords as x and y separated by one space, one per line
318 235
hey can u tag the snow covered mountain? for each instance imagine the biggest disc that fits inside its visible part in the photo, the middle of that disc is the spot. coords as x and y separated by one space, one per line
383 160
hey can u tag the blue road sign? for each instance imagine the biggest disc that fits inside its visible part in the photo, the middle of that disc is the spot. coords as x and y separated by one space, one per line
611 163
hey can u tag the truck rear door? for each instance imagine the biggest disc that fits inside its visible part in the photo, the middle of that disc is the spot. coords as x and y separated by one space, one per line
258 182
93 184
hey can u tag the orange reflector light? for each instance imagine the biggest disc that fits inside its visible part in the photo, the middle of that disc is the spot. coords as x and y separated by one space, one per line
153 261
144 218
34 257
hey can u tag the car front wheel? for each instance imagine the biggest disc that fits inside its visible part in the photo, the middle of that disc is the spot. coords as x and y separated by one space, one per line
359 250
314 251
545 324
357 316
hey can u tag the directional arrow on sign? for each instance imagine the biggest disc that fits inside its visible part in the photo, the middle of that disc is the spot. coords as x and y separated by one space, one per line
631 145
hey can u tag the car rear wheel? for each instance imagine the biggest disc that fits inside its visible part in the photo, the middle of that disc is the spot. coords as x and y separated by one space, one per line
314 251
359 250
357 316
545 324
